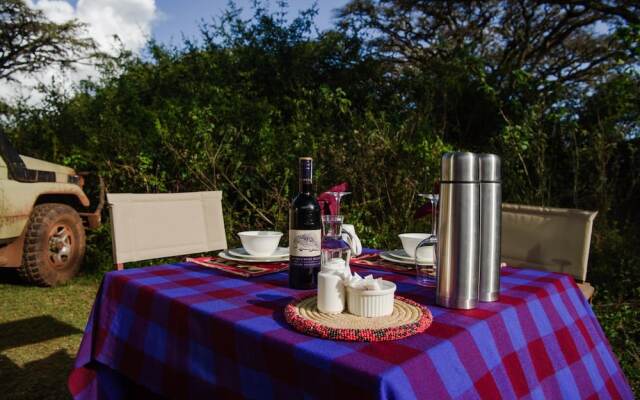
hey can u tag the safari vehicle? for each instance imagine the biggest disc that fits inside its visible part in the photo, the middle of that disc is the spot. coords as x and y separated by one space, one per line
44 210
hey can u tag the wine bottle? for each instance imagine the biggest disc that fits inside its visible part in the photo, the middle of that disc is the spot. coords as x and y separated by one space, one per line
305 231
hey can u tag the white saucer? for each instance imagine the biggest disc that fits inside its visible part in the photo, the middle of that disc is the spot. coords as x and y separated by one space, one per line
228 256
242 253
401 254
388 255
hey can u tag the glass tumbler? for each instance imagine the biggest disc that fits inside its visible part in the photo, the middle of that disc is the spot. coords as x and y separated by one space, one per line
334 247
426 274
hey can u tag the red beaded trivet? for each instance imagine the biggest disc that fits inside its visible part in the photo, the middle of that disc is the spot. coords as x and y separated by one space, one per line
407 319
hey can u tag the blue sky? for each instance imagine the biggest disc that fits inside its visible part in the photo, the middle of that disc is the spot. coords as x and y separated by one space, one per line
177 17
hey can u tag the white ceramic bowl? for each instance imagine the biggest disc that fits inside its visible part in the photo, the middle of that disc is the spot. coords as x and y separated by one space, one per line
411 240
260 243
371 303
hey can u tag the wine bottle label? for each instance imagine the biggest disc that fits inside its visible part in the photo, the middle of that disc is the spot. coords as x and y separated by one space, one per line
305 243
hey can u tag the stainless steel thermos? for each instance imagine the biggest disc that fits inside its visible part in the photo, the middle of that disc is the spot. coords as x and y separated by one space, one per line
458 232
469 230
490 226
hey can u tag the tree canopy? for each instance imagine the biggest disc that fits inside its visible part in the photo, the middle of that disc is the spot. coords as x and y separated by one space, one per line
555 42
29 42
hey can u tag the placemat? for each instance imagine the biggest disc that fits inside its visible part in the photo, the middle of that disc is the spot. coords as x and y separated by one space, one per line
374 261
407 319
245 269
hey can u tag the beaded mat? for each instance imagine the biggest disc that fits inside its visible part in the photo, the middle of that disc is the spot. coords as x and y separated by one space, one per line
407 319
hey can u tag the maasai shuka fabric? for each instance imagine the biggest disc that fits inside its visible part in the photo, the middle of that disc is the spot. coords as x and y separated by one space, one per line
183 331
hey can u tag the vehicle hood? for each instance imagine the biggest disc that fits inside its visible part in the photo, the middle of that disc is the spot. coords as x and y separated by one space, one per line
34 163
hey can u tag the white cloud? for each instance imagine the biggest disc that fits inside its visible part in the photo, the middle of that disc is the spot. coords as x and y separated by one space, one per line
57 11
129 20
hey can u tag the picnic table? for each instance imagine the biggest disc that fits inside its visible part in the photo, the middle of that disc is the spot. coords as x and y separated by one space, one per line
183 331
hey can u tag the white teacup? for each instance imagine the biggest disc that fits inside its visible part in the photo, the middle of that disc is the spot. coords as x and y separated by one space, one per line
411 240
260 243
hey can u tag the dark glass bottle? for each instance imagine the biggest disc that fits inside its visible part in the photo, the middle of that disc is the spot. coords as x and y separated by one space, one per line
305 231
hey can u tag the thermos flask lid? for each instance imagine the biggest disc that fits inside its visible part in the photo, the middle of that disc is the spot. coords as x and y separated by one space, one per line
459 167
489 167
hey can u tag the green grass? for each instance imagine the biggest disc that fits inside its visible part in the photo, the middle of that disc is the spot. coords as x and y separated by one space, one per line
41 329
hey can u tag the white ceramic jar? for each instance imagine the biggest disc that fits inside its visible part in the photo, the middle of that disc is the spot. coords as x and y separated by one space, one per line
331 295
371 303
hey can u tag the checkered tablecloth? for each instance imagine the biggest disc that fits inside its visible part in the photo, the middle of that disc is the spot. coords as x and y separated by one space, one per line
183 331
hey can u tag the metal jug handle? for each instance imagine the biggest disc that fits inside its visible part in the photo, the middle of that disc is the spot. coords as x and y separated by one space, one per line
353 240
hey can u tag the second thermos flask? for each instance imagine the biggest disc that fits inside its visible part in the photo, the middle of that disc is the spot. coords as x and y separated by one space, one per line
458 231
469 230
490 226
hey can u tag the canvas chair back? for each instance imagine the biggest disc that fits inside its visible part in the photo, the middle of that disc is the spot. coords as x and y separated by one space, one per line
551 239
147 226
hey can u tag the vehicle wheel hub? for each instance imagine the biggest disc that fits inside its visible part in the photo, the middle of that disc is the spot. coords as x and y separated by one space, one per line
60 244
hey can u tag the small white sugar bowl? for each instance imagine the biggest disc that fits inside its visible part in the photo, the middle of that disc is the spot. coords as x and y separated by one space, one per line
371 303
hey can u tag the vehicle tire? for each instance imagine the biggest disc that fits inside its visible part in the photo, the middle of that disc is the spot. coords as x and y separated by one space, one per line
54 245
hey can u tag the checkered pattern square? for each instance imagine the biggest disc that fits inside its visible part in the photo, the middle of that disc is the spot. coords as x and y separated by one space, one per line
189 332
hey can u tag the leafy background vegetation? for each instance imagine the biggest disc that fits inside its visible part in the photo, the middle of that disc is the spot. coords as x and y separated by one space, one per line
552 88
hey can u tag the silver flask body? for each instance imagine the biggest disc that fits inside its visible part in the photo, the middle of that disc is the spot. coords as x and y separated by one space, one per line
458 232
490 226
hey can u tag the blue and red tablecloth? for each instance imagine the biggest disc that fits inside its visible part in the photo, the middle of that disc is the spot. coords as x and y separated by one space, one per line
183 331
